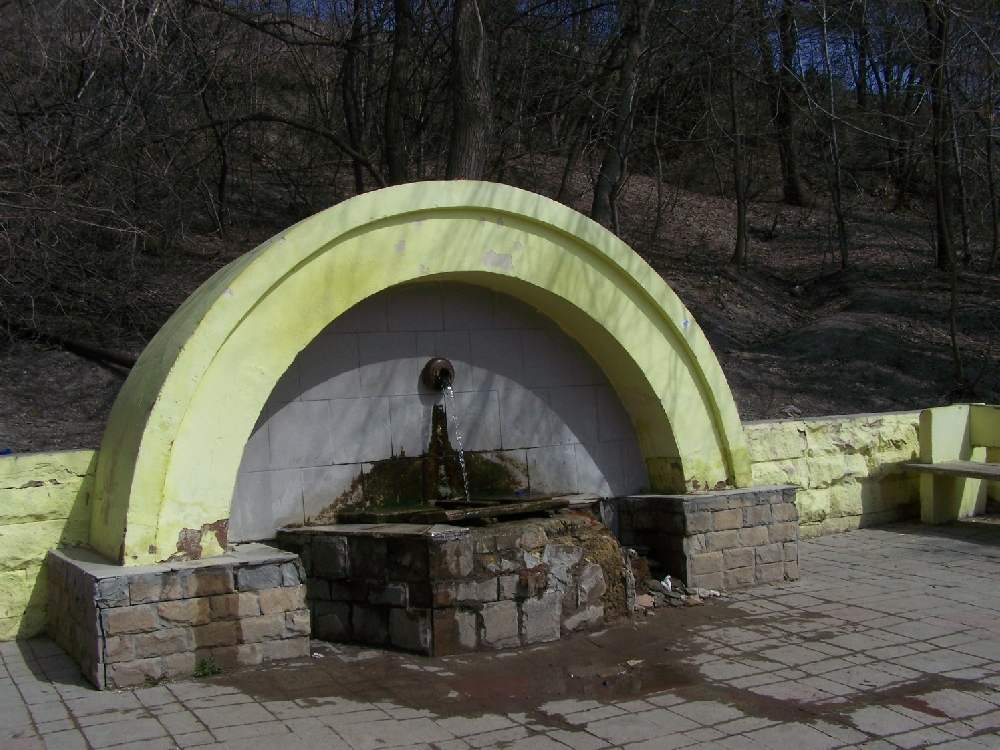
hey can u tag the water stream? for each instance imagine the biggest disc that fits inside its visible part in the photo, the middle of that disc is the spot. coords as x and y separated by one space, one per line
453 411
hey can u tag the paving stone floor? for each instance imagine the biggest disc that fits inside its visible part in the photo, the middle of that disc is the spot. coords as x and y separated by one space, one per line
890 639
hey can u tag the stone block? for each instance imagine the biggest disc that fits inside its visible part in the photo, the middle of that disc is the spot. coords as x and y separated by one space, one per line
236 656
451 559
233 606
590 585
419 595
707 562
591 616
284 599
332 621
757 515
720 540
390 594
500 625
370 624
369 557
208 582
408 560
697 522
140 618
476 591
185 611
317 588
112 592
770 572
790 552
454 631
483 545
443 593
410 629
561 555
223 633
348 591
173 584
737 577
768 553
791 570
739 558
257 577
290 648
330 557
508 587
692 545
292 574
256 629
145 588
784 512
715 581
118 648
541 618
161 642
532 539
133 673
723 520
179 665
753 537
507 541
297 623
783 532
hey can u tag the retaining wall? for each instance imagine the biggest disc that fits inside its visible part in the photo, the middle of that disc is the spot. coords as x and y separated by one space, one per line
845 467
44 503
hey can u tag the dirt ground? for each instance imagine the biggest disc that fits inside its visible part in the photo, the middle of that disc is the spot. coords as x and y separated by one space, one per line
795 335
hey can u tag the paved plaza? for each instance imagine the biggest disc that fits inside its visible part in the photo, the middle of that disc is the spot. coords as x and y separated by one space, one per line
890 639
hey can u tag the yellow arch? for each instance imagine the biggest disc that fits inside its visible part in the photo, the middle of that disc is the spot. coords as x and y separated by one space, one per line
175 437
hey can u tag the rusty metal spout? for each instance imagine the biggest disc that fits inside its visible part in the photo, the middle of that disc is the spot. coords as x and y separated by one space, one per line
438 374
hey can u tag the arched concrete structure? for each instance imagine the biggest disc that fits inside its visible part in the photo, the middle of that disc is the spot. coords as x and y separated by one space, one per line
175 437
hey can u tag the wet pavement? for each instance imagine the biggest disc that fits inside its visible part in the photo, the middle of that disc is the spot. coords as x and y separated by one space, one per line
890 639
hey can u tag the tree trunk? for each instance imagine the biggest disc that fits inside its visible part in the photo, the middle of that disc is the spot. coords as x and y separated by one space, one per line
936 15
739 256
864 54
784 111
990 172
396 109
609 178
576 148
351 91
834 177
471 96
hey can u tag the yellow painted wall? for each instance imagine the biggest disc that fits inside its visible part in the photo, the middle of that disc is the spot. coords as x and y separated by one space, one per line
44 503
843 465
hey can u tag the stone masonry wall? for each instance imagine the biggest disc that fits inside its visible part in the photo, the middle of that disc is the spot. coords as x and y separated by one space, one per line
132 626
845 467
719 540
44 503
442 589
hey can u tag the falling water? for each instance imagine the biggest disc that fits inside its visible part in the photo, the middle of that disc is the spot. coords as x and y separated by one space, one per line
453 411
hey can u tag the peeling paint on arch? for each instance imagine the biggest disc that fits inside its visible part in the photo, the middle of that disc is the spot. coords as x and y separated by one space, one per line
173 444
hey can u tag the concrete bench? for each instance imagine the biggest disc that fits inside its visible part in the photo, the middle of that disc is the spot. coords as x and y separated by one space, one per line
959 461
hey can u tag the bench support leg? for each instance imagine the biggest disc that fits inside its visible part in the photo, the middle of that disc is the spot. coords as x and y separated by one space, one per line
944 499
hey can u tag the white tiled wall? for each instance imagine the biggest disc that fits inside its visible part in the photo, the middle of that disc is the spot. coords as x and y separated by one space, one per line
354 396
